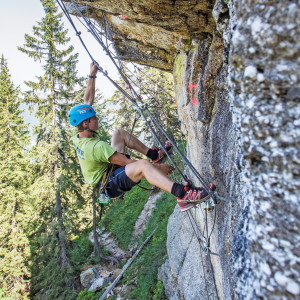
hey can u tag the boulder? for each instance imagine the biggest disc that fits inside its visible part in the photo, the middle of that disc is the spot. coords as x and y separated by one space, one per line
99 283
95 278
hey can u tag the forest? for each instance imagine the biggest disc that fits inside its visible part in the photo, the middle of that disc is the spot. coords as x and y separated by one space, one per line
46 208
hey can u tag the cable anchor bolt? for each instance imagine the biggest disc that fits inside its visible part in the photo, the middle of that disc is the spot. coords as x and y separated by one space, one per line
209 204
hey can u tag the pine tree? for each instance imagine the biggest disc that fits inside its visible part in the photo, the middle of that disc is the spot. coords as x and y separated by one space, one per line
14 206
58 180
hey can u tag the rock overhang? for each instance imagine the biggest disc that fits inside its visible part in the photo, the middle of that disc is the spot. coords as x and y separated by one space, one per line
153 32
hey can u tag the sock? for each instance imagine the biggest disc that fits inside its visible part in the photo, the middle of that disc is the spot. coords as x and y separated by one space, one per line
127 155
152 154
178 190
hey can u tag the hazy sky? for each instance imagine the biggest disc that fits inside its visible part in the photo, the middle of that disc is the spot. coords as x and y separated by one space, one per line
17 17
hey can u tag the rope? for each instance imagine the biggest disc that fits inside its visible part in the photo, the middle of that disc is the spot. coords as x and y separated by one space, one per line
121 66
150 79
201 253
132 128
133 125
204 251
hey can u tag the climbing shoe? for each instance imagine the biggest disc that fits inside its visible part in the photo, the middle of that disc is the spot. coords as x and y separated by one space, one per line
195 195
185 206
162 156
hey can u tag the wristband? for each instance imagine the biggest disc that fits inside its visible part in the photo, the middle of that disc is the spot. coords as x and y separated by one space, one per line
90 76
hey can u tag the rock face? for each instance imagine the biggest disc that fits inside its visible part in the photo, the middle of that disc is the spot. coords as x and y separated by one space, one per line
236 74
153 32
264 81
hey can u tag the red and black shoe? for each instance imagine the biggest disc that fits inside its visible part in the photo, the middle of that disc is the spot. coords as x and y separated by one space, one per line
195 195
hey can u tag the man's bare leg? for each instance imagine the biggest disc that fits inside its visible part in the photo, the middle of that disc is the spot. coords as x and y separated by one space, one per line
155 175
120 139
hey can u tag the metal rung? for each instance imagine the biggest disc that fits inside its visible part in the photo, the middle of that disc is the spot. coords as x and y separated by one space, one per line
209 252
222 198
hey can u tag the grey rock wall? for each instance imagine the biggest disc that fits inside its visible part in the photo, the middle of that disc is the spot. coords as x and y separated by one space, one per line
214 147
264 84
248 146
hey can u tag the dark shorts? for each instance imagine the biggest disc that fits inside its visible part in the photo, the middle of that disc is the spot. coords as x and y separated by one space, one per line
119 183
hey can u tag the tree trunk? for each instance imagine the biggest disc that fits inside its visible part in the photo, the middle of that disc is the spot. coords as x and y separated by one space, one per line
65 261
61 234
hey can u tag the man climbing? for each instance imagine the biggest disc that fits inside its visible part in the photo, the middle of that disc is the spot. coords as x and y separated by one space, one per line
96 156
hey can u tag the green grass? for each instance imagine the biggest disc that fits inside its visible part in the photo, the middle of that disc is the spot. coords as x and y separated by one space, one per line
81 250
153 255
119 218
123 213
86 295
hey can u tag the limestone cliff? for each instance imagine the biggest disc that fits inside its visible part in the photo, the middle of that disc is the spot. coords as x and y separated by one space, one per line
236 74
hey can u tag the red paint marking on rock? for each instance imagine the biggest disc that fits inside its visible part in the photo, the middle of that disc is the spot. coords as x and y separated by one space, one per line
192 86
195 101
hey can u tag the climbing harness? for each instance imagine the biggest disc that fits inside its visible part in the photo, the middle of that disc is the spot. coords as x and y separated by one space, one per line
203 235
101 186
99 190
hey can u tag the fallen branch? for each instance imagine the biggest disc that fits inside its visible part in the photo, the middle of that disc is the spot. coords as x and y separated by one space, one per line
109 288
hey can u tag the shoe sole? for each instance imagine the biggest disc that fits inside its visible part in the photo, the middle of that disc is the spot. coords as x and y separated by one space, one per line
186 208
194 201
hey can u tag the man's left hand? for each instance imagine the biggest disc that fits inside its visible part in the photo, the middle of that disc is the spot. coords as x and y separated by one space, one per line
93 69
166 169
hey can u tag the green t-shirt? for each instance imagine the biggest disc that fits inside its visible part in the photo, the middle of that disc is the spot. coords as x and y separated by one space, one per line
93 155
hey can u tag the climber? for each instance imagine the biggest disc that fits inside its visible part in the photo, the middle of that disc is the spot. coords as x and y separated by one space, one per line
96 156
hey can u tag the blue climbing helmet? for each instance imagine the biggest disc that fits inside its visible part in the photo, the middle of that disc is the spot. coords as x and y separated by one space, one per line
80 113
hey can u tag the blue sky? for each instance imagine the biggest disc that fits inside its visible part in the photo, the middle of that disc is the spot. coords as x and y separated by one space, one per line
17 17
